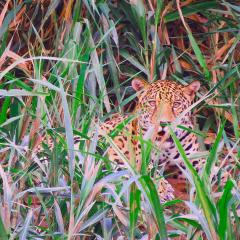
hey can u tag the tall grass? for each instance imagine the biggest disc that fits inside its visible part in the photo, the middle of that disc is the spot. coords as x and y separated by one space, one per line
65 67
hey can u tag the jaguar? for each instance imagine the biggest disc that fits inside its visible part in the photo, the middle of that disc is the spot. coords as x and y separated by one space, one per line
159 105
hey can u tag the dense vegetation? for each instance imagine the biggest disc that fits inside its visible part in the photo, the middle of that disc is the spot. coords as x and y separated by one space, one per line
66 65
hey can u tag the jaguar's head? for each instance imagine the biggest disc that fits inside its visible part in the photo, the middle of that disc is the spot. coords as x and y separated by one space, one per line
163 101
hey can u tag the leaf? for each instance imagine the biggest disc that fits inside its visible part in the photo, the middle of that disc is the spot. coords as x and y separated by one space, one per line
98 216
26 225
191 9
157 209
51 8
134 61
135 206
4 109
9 17
3 232
208 207
194 44
20 93
213 154
139 13
23 60
110 59
199 55
98 70
223 206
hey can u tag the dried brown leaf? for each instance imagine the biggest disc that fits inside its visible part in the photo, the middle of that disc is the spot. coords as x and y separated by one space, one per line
3 13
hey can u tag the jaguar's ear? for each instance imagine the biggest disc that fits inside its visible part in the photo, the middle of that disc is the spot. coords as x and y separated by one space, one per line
138 84
192 88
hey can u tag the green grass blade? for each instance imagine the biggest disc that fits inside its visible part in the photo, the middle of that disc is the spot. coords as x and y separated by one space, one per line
139 13
98 70
3 232
195 46
4 108
223 206
213 153
207 206
134 61
110 58
157 209
135 205
191 9
199 55
228 75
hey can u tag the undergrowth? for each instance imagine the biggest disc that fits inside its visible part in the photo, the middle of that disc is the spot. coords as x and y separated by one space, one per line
66 66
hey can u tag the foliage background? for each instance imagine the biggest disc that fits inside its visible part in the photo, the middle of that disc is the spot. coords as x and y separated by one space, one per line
64 64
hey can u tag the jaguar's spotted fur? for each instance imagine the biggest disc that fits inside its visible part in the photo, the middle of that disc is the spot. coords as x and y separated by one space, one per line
158 103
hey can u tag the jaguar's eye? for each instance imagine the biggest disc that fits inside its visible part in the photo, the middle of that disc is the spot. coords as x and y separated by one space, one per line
152 103
176 104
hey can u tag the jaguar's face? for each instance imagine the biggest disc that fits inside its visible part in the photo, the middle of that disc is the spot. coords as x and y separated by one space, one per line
163 101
